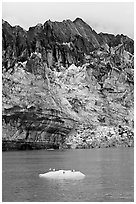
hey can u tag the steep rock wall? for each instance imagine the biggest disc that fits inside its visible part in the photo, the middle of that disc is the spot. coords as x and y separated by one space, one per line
46 99
60 43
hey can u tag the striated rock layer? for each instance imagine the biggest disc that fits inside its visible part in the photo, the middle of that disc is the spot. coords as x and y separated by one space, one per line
67 85
31 110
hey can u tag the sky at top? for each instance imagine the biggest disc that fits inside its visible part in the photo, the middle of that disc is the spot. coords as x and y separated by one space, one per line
109 17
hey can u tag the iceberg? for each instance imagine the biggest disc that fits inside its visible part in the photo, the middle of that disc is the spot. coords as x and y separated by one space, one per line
63 174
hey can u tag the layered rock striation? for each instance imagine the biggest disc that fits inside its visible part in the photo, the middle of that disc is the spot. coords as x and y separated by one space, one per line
31 110
62 81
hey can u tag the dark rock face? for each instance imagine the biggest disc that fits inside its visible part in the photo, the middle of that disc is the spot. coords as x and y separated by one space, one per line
58 42
14 44
114 41
45 99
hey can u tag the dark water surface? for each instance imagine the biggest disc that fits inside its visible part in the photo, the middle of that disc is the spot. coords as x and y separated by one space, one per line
109 175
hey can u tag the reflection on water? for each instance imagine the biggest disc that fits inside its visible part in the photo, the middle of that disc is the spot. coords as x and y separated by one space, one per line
109 175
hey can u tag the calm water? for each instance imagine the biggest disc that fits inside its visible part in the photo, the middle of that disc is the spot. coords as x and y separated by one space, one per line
109 175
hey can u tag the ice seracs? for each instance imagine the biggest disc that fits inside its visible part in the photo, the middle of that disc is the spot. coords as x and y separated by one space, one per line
63 174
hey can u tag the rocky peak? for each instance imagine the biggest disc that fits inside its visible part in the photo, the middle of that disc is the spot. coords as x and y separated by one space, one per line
55 35
80 20
5 23
114 41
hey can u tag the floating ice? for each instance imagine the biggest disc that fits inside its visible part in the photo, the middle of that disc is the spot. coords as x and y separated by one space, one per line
63 174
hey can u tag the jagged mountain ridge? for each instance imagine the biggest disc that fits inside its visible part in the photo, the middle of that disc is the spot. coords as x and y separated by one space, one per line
59 42
44 98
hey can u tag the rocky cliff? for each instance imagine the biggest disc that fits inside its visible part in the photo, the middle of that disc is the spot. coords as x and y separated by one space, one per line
59 43
64 83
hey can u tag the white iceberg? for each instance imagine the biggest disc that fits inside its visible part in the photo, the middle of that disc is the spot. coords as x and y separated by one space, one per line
63 174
